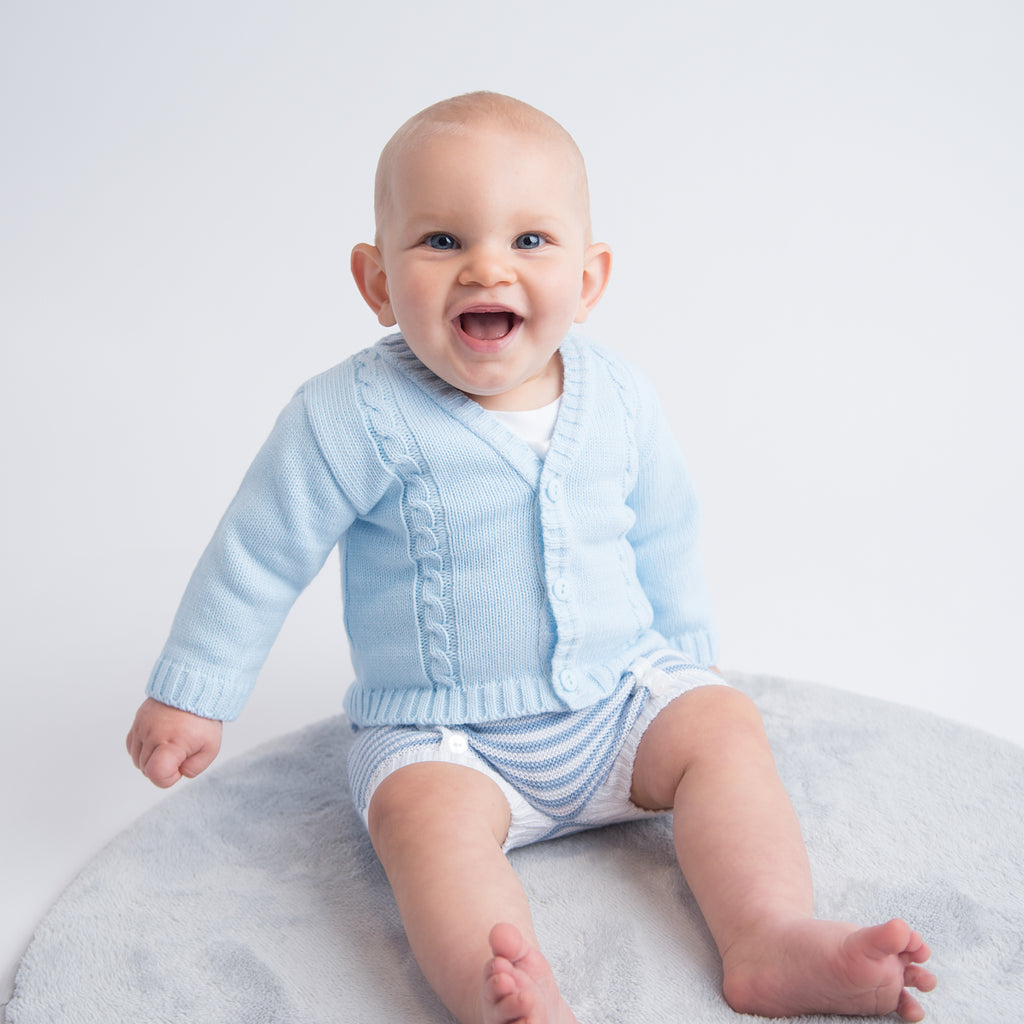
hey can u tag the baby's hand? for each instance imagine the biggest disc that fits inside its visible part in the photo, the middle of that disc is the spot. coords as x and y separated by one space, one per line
166 743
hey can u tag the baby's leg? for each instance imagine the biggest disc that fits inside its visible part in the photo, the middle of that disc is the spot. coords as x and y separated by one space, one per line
739 845
438 830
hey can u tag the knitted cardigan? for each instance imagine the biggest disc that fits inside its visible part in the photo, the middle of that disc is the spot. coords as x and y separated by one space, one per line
480 581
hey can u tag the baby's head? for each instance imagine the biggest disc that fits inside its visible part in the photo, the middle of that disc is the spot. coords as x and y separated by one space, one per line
468 115
483 254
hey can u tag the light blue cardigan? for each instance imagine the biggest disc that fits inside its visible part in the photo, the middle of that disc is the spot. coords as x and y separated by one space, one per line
480 582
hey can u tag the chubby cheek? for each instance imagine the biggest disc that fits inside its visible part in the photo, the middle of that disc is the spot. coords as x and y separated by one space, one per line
415 303
564 295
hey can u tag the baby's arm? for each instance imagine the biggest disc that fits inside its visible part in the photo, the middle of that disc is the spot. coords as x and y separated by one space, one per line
276 534
665 538
166 743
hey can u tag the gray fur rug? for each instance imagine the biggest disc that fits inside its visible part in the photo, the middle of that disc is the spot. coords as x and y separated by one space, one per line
254 895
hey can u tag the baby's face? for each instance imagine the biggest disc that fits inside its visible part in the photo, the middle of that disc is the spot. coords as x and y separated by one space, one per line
484 262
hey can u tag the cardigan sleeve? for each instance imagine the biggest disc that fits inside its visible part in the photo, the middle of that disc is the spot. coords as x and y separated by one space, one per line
665 536
275 536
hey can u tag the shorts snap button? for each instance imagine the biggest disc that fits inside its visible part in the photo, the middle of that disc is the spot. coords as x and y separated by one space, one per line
457 742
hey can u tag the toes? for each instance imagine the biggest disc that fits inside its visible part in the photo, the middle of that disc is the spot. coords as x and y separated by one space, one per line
497 965
909 1008
507 941
880 940
917 949
499 981
893 936
920 978
506 1000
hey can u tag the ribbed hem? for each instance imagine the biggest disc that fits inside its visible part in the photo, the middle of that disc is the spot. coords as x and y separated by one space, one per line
499 699
202 694
702 647
413 706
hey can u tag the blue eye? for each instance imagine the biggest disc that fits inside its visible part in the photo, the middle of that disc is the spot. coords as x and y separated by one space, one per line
530 240
442 241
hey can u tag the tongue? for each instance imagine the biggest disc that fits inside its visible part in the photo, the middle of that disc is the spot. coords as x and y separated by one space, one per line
487 326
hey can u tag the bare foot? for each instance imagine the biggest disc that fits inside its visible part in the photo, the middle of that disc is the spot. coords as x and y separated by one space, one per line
814 966
519 987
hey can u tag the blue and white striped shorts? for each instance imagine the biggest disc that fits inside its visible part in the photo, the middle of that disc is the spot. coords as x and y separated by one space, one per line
561 772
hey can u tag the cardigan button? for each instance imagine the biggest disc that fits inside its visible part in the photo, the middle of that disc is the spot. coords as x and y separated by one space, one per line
553 489
567 680
561 589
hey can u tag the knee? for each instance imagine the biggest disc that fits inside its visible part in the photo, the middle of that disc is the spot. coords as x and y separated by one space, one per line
403 802
434 801
721 710
709 723
728 724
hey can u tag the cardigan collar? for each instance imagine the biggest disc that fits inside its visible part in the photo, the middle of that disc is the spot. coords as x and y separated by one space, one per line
568 431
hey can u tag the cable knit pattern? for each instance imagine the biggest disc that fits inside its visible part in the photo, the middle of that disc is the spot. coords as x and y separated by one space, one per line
480 581
421 510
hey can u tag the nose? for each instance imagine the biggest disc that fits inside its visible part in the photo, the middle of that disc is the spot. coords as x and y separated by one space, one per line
486 266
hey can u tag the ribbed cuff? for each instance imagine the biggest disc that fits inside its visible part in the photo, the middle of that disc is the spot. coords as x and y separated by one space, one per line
199 693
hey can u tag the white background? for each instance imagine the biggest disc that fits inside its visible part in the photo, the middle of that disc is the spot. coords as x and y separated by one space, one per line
816 213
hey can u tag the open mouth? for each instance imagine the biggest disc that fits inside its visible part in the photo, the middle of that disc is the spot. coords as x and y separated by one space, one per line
488 324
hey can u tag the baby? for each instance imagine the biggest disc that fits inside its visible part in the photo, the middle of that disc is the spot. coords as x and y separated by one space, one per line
528 619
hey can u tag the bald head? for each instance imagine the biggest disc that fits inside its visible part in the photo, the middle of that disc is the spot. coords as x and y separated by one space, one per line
462 116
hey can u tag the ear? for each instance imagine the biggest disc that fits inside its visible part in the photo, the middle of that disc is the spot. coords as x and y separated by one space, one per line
372 281
597 267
